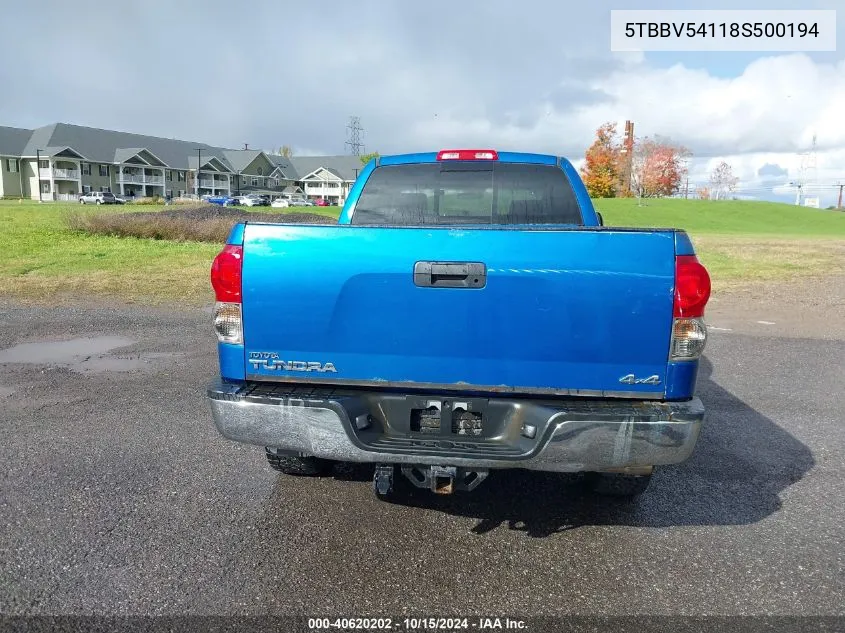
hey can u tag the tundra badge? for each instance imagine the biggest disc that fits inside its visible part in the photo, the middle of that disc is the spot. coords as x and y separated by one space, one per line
271 360
630 379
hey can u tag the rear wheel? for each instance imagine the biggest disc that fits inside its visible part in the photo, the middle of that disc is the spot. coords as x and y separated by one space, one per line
618 484
298 465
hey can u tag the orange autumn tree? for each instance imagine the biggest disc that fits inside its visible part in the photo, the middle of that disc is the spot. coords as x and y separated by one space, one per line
602 169
657 168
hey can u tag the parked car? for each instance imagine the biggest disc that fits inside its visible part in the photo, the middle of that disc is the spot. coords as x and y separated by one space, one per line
589 370
254 200
300 202
119 200
97 197
321 202
280 203
223 201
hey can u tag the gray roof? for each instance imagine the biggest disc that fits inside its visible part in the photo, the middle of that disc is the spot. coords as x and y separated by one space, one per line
109 146
13 140
125 153
100 145
345 167
285 164
240 158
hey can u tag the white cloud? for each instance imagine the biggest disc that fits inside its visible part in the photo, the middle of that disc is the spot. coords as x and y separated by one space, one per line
775 105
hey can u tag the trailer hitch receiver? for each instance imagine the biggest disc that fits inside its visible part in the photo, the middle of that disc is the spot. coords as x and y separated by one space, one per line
444 480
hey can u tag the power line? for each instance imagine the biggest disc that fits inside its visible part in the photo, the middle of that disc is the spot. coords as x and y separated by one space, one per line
353 136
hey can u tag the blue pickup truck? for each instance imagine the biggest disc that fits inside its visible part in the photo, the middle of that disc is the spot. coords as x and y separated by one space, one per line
469 311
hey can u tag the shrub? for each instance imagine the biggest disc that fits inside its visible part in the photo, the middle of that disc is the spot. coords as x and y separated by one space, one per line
149 200
208 223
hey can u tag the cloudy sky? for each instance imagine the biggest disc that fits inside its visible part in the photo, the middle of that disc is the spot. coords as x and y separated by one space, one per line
532 75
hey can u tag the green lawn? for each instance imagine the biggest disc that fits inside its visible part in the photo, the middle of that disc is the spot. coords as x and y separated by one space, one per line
723 217
44 261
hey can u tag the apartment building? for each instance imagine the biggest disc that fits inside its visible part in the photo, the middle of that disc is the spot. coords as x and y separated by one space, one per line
60 161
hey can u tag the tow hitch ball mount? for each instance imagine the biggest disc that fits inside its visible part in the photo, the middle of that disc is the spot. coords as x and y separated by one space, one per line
443 480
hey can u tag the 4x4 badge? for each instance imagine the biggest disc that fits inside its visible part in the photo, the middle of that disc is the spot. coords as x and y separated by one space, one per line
630 379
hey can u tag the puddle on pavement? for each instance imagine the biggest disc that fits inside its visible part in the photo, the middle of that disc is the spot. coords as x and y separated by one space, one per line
85 355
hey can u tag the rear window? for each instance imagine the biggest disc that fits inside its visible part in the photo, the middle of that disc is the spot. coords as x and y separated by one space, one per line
471 192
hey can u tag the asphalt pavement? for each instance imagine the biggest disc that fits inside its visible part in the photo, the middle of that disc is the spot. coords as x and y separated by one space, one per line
119 497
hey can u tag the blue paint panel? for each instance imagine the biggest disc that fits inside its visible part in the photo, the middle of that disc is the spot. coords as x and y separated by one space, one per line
680 379
232 363
683 244
236 235
562 309
355 193
588 212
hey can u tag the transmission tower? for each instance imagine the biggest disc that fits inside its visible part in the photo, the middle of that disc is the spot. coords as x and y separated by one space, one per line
353 136
807 171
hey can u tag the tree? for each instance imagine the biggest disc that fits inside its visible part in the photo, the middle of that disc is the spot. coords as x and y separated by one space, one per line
722 181
286 151
366 158
657 168
602 170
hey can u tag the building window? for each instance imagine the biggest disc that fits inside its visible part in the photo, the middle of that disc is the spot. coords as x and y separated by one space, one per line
275 182
86 188
106 189
12 165
180 176
181 193
104 170
45 186
86 169
260 171
169 175
44 164
254 181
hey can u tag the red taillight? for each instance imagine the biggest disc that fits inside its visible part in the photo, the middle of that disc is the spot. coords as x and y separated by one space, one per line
226 274
692 287
467 154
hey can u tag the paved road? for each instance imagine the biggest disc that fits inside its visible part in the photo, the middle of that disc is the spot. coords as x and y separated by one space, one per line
118 496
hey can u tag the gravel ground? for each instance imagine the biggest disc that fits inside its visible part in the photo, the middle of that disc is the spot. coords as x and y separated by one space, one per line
119 497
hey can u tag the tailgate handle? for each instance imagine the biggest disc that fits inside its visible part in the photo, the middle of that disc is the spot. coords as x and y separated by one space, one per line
450 274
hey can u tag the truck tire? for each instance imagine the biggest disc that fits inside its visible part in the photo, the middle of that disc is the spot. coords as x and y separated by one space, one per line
295 465
618 484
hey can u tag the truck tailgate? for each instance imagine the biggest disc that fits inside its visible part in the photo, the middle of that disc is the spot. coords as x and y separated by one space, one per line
565 311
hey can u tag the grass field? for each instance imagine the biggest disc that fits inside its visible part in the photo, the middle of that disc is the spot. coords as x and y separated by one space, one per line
724 217
44 261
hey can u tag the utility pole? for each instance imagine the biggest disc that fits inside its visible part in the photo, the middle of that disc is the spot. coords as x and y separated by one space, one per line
246 146
628 151
839 203
686 188
38 172
199 164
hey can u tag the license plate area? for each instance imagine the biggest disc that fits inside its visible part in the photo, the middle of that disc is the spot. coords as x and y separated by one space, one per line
448 426
460 418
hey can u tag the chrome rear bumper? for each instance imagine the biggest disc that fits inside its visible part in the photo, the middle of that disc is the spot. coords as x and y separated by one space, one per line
568 435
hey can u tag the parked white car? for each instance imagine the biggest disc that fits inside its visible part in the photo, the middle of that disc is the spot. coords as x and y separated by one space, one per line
280 203
254 200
